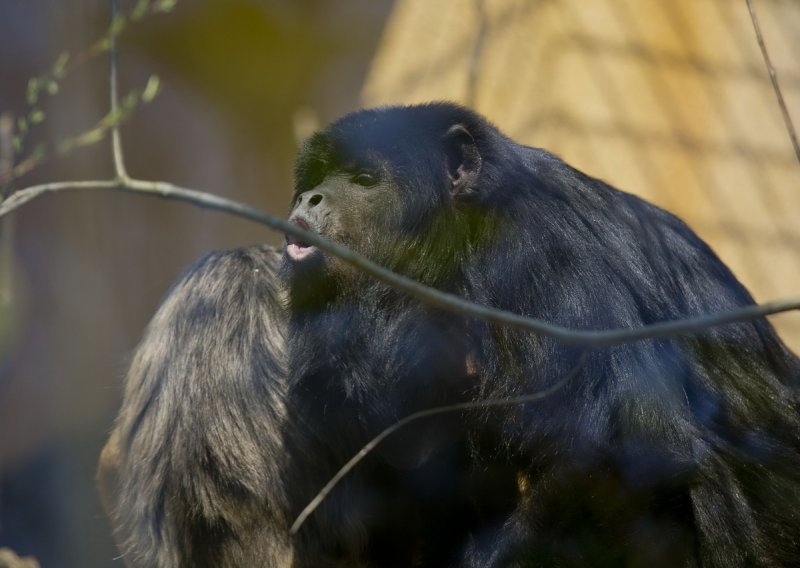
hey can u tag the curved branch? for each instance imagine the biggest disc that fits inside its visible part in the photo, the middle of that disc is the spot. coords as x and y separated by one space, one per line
431 296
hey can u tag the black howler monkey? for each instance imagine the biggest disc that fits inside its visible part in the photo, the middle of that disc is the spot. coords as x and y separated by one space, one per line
683 451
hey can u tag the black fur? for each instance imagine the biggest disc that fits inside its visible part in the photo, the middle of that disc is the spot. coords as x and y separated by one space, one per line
669 452
673 452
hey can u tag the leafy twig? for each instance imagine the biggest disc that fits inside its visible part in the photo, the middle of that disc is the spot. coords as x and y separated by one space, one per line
41 153
48 83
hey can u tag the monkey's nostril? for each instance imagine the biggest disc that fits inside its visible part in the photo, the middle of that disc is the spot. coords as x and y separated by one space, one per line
315 199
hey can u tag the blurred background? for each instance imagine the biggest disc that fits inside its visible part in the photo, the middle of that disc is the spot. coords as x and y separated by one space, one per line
668 100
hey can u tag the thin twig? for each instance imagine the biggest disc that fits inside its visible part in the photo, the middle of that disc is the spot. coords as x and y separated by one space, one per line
6 154
116 142
473 405
773 75
431 296
7 230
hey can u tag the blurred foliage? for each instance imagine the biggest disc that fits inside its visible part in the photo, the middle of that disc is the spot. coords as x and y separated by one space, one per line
253 61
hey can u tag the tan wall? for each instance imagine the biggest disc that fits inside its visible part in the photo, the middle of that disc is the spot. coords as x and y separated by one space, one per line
668 99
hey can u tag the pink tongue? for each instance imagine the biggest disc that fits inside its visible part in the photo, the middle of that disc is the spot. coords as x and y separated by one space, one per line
298 252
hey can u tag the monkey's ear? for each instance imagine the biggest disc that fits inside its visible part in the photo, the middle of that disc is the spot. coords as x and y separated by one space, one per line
463 161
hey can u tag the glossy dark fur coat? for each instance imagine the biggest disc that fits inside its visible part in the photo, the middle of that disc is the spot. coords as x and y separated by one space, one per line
673 452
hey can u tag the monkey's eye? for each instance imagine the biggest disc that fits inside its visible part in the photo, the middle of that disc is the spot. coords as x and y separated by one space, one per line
364 179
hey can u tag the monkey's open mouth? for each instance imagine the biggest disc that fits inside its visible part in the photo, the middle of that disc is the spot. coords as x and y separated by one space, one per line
296 248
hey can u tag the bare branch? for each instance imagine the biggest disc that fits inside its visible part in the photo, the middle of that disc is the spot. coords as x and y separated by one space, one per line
6 154
773 75
21 197
116 142
7 233
473 405
431 296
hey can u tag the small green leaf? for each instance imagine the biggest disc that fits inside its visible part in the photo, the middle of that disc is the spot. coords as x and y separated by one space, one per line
22 126
91 137
87 138
51 87
140 9
117 25
130 101
16 143
32 94
166 5
36 116
112 118
151 89
60 66
38 154
103 44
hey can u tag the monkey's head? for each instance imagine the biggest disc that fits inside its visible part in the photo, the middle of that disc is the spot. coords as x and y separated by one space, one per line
395 184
